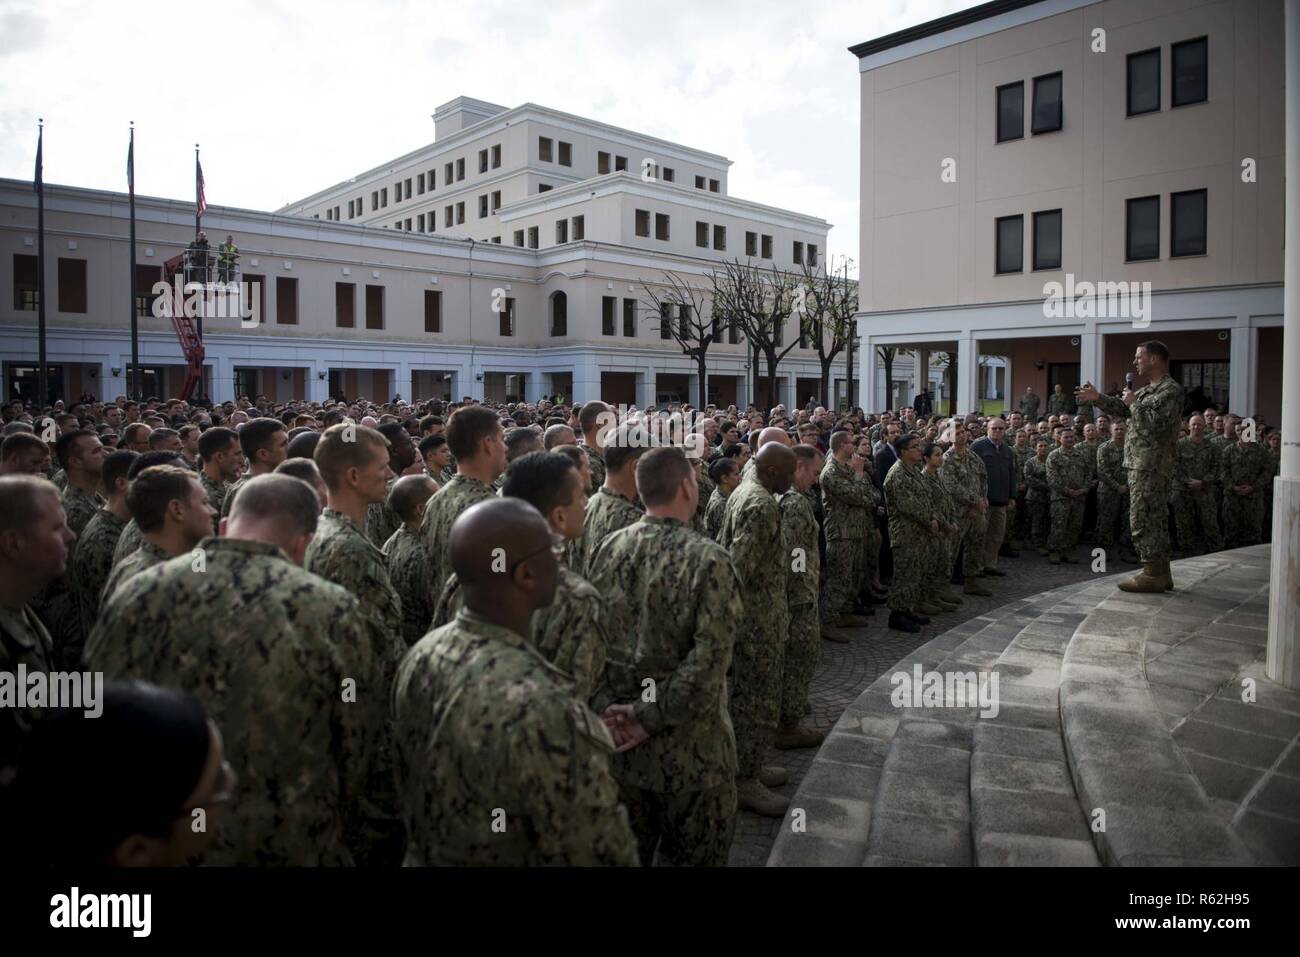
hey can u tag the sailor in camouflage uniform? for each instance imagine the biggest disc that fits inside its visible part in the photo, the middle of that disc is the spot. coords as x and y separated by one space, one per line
1196 477
665 686
499 763
966 479
1113 491
938 591
265 444
1038 495
595 420
1244 470
284 666
223 463
913 528
615 504
405 557
803 578
1067 477
726 476
849 499
92 560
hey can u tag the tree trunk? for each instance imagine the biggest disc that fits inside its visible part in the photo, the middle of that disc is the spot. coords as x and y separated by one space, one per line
826 382
703 371
772 400
889 381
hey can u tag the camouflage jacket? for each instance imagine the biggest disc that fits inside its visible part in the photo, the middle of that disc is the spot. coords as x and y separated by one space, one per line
1029 406
23 641
146 556
713 514
408 571
90 567
607 512
596 462
1195 460
381 521
910 501
751 532
128 541
1245 463
1056 404
1066 470
945 510
498 762
707 488
216 494
231 489
802 559
1022 456
1153 423
673 602
435 528
1089 451
965 478
80 507
1036 479
1110 471
283 663
849 500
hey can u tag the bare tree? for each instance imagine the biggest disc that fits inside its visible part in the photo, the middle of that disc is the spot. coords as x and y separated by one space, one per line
679 309
830 303
759 302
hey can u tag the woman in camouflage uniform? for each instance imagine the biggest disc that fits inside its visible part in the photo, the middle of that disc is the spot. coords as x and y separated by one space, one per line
1038 496
939 591
912 528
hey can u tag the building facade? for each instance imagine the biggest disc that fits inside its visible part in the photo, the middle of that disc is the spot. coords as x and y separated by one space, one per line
515 270
1047 183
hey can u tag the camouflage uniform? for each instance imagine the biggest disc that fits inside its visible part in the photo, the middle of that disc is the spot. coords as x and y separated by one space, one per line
1057 404
1149 448
146 556
706 493
1197 509
128 541
498 762
911 538
967 481
1112 504
803 576
25 641
673 602
1029 407
1244 463
57 604
596 462
1066 470
408 572
283 663
606 513
89 570
435 528
717 507
231 489
381 521
751 532
1020 526
849 499
216 495
1038 499
940 564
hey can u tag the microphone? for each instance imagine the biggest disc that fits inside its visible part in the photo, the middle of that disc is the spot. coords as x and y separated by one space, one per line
1128 379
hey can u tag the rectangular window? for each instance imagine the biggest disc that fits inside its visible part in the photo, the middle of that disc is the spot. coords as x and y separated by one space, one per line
733 332
532 237
397 192
629 318
1047 239
1144 82
26 296
579 228
145 277
1010 237
419 184
374 307
449 173
432 221
544 149
566 154
643 222
812 255
668 174
420 221
699 182
433 180
496 156
561 231
751 244
449 215
544 187
665 320
329 214
72 285
767 247
383 198
483 206
702 235
602 162
257 283
620 164
1187 223
407 225
1011 111
408 187
1048 112
374 200
714 186
349 209
519 237
483 161
796 254
720 237
683 321
661 226
336 212
286 301
497 240
1190 82
508 318
1142 228
496 200
432 310
460 213
345 305
608 307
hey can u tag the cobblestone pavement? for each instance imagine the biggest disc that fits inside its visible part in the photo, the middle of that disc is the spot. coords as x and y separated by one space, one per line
845 670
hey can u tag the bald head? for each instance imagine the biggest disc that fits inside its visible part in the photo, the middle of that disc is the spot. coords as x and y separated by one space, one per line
501 552
276 509
773 434
775 463
408 496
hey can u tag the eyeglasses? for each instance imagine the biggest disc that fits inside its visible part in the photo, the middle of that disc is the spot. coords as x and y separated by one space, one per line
555 544
224 794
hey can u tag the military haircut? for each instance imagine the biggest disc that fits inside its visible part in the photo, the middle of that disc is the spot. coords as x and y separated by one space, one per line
429 421
19 498
153 489
626 445
17 442
431 442
333 417
802 451
554 435
342 447
282 499
575 453
1155 347
511 524
17 428
117 466
407 493
660 473
468 427
303 445
301 468
185 430
589 415
905 441
541 479
215 440
257 434
838 439
158 436
392 431
65 445
148 460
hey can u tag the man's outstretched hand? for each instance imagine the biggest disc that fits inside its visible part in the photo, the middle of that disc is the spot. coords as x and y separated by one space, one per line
1086 393
623 726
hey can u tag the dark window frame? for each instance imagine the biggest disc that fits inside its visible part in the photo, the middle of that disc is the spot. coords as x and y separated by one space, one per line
997 117
1128 82
997 245
1205 223
1204 96
1128 233
1034 129
433 310
1060 229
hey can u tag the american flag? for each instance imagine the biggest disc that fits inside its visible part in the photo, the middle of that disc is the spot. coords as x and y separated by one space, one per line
38 178
201 202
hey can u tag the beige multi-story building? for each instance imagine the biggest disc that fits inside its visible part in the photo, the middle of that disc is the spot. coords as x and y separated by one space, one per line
1025 148
506 260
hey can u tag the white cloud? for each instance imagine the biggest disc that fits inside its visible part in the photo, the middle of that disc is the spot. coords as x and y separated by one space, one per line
290 97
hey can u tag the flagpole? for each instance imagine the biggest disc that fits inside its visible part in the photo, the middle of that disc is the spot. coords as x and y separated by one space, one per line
198 191
42 384
135 332
198 228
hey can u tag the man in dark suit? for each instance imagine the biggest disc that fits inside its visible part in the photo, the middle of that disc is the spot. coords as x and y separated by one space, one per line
883 453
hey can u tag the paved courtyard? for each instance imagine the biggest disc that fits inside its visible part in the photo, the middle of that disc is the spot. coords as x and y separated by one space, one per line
845 670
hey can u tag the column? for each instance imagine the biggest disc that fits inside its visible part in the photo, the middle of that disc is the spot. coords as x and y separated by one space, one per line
866 396
1092 353
742 388
223 377
1284 582
586 380
645 388
318 381
967 374
402 383
920 373
1243 361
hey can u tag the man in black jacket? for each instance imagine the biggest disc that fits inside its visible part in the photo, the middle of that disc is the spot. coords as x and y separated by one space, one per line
1000 463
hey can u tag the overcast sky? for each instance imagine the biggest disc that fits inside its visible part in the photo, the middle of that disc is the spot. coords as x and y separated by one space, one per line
288 96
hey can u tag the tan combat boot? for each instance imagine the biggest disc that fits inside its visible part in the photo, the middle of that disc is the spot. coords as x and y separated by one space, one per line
753 796
772 777
837 635
789 739
928 607
1149 580
973 587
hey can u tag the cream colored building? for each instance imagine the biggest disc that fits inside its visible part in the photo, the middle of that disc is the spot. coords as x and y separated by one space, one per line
362 293
1018 144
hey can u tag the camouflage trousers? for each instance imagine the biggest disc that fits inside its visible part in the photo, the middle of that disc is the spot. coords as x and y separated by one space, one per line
757 664
938 581
914 556
870 558
972 528
1243 519
1112 512
689 828
1020 527
802 645
1067 524
1148 493
1039 515
1197 518
844 571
